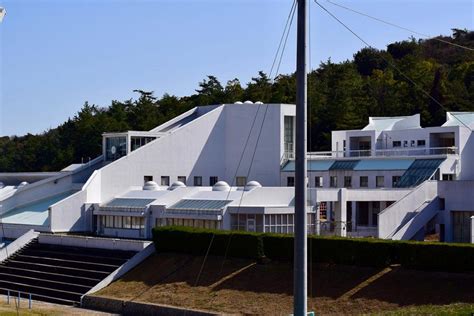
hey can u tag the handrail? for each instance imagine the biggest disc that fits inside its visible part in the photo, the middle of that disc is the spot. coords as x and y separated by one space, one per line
393 152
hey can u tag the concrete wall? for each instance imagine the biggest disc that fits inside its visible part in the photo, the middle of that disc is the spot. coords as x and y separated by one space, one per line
121 307
93 242
17 244
70 214
210 145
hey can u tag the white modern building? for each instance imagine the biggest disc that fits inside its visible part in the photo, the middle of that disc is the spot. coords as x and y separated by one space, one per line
231 166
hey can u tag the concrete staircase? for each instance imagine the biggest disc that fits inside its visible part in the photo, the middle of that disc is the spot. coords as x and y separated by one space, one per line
56 273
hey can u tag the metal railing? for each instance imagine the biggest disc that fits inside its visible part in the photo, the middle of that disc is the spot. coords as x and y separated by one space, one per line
330 228
394 152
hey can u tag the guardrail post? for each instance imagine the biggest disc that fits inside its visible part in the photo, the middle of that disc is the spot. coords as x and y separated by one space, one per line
18 299
29 301
8 297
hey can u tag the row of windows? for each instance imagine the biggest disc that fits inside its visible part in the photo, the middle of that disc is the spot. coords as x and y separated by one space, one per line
419 143
198 223
165 180
333 181
125 222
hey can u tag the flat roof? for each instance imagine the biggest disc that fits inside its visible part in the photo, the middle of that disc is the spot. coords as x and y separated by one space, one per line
35 213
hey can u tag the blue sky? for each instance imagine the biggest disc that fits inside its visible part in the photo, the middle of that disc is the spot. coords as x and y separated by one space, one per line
57 54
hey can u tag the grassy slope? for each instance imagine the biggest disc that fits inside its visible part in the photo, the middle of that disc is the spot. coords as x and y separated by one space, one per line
238 286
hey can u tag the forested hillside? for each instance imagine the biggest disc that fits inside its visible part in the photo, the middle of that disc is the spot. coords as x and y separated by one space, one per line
340 96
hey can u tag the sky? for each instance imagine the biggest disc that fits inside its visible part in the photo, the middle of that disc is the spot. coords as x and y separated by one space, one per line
57 54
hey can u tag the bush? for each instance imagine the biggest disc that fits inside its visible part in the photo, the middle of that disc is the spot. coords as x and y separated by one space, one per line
337 250
196 241
437 256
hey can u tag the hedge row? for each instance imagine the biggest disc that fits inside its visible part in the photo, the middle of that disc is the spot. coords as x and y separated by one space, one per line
196 241
351 251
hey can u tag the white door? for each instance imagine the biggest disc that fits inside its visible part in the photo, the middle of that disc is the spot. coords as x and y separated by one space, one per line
250 224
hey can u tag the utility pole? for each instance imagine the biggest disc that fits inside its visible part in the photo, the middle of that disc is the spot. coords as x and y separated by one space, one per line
300 291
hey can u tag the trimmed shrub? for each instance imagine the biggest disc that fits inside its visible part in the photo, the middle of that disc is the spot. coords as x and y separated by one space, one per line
337 250
437 256
278 246
196 241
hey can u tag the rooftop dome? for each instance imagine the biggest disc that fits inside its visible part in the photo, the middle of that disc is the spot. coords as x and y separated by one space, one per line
238 102
24 183
252 185
248 102
151 186
221 186
177 184
259 102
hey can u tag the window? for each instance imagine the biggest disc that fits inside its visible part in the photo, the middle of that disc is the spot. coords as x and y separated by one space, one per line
147 178
364 182
395 180
288 134
138 223
115 147
165 180
213 180
397 143
197 181
127 222
448 177
347 181
109 221
323 211
421 143
379 181
318 182
118 221
290 181
333 181
182 179
241 181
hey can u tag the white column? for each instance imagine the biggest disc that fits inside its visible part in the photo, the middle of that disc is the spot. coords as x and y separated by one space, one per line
354 215
341 213
472 229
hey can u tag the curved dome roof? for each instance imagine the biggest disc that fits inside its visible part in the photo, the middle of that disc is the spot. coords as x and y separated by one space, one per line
151 186
177 184
259 102
252 185
221 186
238 102
248 102
24 183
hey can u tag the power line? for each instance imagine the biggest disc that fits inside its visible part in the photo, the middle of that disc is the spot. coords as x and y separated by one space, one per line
399 26
289 20
390 63
286 39
280 51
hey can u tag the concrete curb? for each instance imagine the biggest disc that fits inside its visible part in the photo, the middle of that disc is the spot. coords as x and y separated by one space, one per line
122 307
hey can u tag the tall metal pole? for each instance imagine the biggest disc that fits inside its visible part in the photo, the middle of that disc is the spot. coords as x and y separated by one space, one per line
300 291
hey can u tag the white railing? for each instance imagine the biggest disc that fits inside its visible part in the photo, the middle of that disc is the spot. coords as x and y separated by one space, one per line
394 152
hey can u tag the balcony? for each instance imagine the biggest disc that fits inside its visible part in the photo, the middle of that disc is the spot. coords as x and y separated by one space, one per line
380 153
